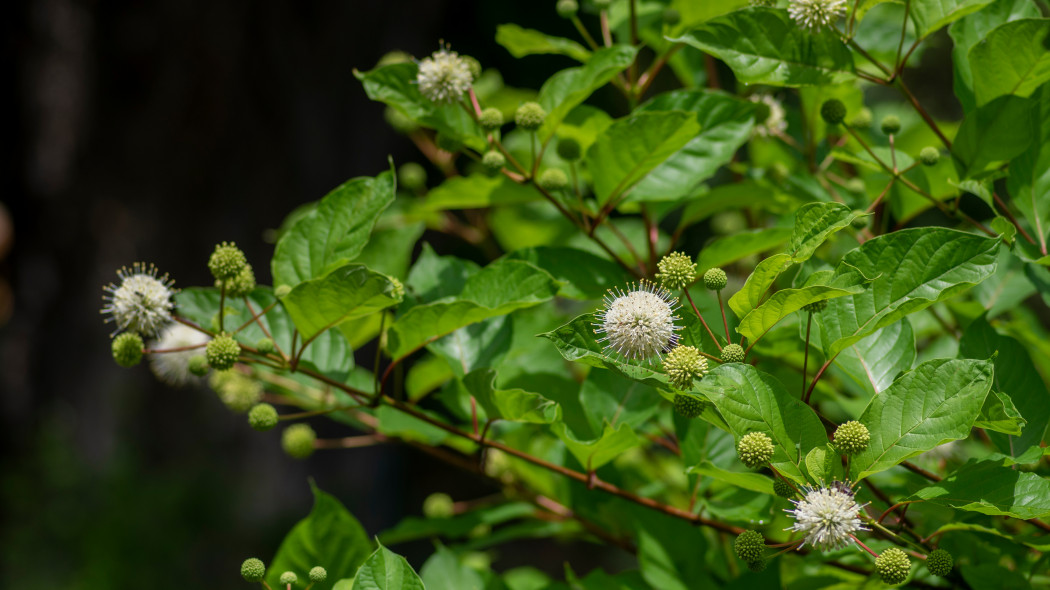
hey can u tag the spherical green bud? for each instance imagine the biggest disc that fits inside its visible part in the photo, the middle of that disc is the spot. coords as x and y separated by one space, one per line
682 364
852 437
940 563
282 291
473 65
198 365
412 176
222 352
398 290
399 121
782 488
732 353
493 161
530 116
298 441
448 143
127 349
862 120
289 578
688 406
929 156
833 111
715 279
856 185
226 261
567 8
553 179
253 570
892 566
890 124
236 391
264 346
318 574
672 17
759 565
262 417
861 220
779 172
568 149
676 271
749 546
754 449
240 285
491 119
816 306
394 57
438 505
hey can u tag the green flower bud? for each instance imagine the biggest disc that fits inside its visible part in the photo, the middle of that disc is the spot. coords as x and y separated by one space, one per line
891 124
682 364
852 437
240 285
929 156
940 563
226 261
862 120
438 505
861 220
816 306
759 565
473 65
264 346
892 566
856 185
253 570
491 119
282 291
198 365
779 172
671 17
394 57
688 406
732 353
399 121
318 574
553 179
298 441
448 143
398 291
782 488
567 8
262 417
412 176
754 449
530 116
676 271
568 149
833 111
289 578
236 391
749 546
222 352
493 161
715 279
127 349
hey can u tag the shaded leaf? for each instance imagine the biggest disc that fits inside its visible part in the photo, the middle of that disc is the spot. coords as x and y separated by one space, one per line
930 15
593 454
521 42
568 88
742 480
1013 59
583 275
386 570
516 405
997 131
739 245
348 292
989 487
478 191
875 360
1000 415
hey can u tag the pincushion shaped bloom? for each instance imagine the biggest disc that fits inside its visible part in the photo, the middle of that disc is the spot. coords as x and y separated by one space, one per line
444 76
638 323
815 15
141 302
827 516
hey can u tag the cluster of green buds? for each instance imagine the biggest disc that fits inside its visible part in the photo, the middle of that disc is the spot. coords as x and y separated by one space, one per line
750 547
755 449
254 570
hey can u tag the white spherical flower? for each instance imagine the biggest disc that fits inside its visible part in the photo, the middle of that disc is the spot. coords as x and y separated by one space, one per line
816 14
776 121
174 367
444 76
638 323
827 516
141 302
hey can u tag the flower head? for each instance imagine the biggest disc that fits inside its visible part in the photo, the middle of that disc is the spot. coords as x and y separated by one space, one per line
682 364
142 302
852 437
893 566
677 271
688 406
253 569
298 440
775 121
827 516
815 15
127 349
940 563
444 76
174 367
749 546
318 574
755 449
638 323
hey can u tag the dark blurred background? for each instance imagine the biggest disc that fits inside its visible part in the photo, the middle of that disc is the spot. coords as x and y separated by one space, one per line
150 131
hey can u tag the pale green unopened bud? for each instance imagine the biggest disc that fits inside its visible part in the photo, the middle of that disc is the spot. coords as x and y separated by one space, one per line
530 116
289 578
127 349
318 574
491 119
755 449
676 271
891 124
438 505
732 353
940 563
715 279
929 155
226 261
683 364
222 352
833 111
568 149
553 179
253 570
262 417
852 437
892 566
782 488
298 440
688 406
749 546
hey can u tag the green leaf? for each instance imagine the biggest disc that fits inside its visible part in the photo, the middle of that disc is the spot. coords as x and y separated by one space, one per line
582 275
633 146
1039 543
740 245
1029 180
758 284
935 403
515 405
814 224
436 277
521 42
824 464
742 480
389 251
764 46
444 571
989 487
725 125
997 131
1015 375
478 191
929 16
786 302
1013 59
993 576
334 232
593 454
912 269
329 536
479 345
386 570
413 528
498 289
348 292
753 401
568 88
1000 415
876 360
